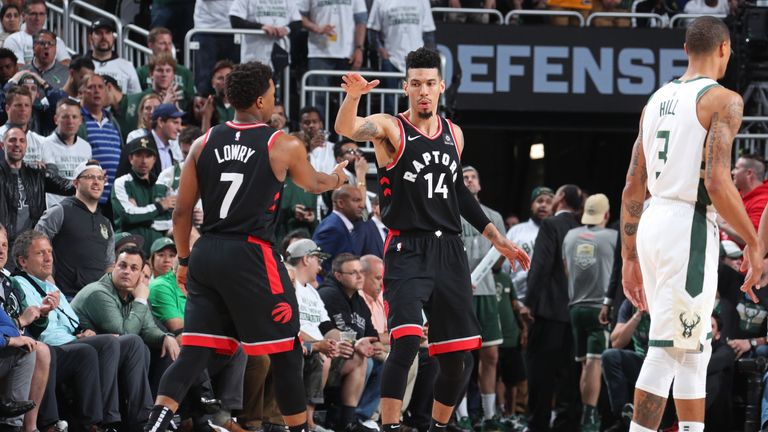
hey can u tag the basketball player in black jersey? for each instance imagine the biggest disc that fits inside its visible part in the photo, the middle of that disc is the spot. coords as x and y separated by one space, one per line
418 154
238 289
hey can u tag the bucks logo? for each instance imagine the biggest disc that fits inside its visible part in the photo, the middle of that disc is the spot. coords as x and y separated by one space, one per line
688 326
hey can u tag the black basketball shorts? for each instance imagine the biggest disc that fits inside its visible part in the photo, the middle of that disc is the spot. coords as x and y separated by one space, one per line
239 292
429 272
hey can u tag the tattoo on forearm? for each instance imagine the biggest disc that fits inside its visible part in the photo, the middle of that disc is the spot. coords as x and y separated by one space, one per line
366 132
634 208
634 163
649 409
630 229
714 139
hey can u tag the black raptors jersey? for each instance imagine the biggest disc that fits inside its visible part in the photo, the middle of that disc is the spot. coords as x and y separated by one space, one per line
238 188
418 188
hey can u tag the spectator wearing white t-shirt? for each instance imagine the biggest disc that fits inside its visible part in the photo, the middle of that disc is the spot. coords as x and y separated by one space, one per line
272 16
398 27
21 42
336 37
101 36
707 7
316 329
212 14
18 105
63 150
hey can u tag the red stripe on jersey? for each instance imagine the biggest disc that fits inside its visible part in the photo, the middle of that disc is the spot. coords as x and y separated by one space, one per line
244 126
222 344
273 275
453 134
439 127
401 148
270 347
205 139
407 330
468 344
273 138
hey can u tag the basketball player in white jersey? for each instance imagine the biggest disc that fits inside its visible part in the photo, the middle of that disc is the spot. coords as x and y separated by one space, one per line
683 155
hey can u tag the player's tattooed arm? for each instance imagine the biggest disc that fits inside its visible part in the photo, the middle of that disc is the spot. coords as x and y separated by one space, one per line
632 199
366 131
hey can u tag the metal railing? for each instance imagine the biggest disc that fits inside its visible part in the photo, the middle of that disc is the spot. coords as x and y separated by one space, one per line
133 51
752 138
190 46
614 15
77 27
531 12
470 11
684 16
57 19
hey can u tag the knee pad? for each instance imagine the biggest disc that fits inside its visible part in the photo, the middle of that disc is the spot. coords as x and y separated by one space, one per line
691 376
395 373
658 371
455 369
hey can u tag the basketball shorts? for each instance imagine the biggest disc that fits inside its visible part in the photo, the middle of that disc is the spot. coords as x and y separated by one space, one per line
487 313
677 246
429 272
511 365
589 336
239 292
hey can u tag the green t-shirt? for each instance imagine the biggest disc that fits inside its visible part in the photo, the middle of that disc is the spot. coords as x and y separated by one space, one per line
510 330
183 78
166 298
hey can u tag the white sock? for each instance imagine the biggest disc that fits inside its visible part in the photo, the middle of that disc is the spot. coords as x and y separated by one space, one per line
461 410
489 405
690 427
634 427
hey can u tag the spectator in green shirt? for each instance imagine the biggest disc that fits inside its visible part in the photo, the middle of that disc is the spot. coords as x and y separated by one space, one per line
160 40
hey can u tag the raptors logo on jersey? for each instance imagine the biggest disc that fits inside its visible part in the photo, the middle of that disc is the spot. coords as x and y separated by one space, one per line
418 187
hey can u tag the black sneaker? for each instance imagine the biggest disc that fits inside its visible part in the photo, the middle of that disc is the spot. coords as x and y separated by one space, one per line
356 426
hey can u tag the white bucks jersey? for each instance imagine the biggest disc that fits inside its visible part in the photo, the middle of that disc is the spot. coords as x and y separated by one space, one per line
673 141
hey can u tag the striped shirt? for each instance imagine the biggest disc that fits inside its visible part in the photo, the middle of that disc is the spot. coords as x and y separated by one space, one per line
106 145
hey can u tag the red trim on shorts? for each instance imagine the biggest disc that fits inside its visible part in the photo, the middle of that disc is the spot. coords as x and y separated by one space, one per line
465 344
390 234
437 134
205 139
401 148
269 347
222 344
406 330
244 126
273 138
453 134
273 275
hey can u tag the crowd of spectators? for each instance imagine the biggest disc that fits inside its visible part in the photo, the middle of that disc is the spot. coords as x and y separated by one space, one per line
92 153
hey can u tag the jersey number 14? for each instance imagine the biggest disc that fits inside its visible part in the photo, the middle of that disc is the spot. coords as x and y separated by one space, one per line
439 188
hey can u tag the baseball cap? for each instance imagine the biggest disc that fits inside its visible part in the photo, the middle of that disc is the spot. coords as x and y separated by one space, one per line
123 238
160 244
85 166
109 79
305 247
166 110
541 190
729 249
102 23
595 209
138 145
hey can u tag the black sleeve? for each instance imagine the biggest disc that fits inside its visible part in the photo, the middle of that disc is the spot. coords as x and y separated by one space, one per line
326 326
541 264
57 184
615 281
334 304
469 206
239 23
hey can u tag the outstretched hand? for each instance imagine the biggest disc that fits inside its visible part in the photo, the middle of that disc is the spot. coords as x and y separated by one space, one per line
632 280
355 85
513 253
339 171
753 265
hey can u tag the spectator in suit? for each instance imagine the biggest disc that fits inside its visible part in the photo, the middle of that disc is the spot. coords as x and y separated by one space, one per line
550 346
335 234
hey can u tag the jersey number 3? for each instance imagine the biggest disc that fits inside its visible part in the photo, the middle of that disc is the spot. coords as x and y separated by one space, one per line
663 134
237 181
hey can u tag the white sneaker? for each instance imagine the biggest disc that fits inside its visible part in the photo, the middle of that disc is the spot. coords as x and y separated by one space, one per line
319 428
61 426
371 425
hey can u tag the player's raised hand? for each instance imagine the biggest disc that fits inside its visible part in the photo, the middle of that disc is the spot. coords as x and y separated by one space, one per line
632 280
512 252
753 265
355 85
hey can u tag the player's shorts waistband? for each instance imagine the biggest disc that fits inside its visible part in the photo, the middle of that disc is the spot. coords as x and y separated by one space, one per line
658 201
423 234
240 237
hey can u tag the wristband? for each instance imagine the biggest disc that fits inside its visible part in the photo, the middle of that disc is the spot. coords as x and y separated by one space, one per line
338 180
183 261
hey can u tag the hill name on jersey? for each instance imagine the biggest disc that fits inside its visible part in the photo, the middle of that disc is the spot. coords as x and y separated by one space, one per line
431 157
234 152
668 107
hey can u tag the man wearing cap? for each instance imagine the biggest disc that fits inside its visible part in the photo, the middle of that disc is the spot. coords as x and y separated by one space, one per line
63 150
588 257
23 187
44 62
317 331
82 238
485 305
101 35
550 340
126 239
162 137
21 42
141 205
